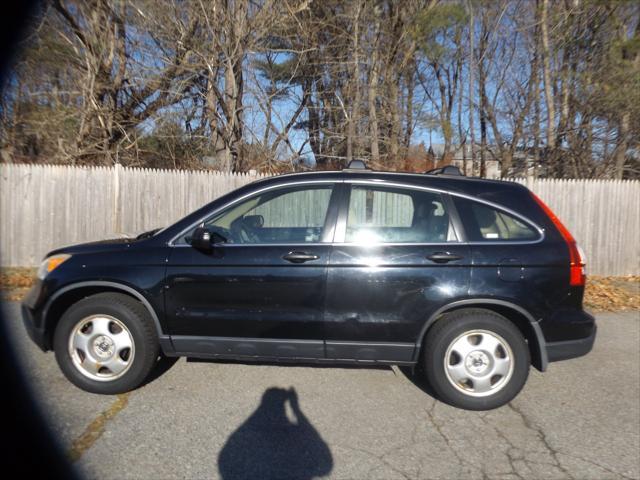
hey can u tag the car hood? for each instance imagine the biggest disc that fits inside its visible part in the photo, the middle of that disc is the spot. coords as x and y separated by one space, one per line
100 246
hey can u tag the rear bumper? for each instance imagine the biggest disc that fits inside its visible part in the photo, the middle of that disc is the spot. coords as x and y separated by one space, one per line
567 349
568 333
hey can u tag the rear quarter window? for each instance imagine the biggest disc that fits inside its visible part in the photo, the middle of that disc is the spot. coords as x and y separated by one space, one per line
484 223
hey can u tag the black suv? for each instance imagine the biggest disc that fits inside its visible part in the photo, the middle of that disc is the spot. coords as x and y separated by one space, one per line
471 280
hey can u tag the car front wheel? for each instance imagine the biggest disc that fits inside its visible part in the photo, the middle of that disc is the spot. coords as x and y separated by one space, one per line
106 343
476 359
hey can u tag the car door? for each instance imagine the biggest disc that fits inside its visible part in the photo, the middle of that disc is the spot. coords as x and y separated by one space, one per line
396 259
260 291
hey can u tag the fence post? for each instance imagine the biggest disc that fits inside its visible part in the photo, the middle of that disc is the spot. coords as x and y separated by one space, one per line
115 214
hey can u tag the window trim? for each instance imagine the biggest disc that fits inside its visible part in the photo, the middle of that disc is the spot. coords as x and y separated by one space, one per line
456 220
501 209
333 200
343 217
339 205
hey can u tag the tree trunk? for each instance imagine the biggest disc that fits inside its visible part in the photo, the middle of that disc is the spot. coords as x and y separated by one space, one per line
482 79
620 152
355 80
546 71
408 133
394 136
472 137
536 123
372 97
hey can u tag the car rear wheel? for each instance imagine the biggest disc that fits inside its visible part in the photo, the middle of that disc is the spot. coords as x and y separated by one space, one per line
476 359
106 343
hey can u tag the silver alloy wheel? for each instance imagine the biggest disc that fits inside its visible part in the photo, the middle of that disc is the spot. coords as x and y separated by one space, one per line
101 347
479 363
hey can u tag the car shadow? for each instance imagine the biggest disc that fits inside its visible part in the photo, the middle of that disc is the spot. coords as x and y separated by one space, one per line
417 376
163 365
294 363
270 445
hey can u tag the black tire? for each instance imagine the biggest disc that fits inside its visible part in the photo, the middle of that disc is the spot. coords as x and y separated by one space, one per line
451 327
135 318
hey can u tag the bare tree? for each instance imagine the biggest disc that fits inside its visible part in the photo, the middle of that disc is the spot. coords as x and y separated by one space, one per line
292 84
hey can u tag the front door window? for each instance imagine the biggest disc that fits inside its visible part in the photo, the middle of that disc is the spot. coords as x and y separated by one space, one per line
286 215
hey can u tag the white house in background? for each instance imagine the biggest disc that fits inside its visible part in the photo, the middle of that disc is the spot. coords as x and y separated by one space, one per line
523 162
462 157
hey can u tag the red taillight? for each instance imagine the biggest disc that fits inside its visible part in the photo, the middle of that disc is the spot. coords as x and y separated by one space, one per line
576 268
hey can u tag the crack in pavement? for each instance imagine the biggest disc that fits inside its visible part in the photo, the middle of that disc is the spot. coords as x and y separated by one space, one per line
96 428
510 451
516 454
543 438
513 453
553 452
381 457
596 464
376 456
447 441
521 467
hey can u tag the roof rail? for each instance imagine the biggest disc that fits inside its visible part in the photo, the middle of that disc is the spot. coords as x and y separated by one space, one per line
357 165
446 170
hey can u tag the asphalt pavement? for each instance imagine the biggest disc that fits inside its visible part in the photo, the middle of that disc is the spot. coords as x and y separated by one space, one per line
197 419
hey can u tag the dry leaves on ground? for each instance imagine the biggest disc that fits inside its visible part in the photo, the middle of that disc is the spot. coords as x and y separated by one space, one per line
612 293
15 283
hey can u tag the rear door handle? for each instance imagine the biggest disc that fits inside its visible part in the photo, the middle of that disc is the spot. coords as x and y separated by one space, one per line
443 257
300 257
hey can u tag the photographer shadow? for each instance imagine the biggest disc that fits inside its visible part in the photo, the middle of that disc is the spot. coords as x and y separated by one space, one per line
269 445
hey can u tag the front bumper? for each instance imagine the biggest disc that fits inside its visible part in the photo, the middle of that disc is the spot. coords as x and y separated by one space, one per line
567 349
36 334
32 316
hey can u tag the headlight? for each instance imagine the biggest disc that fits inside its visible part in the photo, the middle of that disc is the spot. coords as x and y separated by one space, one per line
49 264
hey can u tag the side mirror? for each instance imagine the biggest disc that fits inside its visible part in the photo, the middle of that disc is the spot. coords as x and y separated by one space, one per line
201 239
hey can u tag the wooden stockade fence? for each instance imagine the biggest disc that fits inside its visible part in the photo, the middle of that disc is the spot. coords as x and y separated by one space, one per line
47 206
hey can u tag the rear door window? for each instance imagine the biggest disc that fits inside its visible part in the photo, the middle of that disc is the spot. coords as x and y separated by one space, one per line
390 215
484 223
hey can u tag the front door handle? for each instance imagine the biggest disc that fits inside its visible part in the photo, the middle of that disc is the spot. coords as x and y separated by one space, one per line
300 257
443 257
